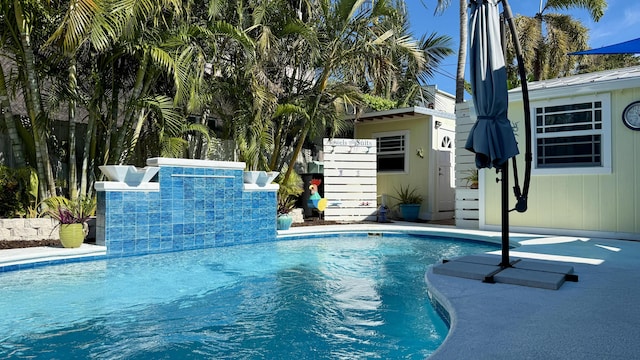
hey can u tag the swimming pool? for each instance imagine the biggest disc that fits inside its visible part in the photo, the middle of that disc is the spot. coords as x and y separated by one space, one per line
348 296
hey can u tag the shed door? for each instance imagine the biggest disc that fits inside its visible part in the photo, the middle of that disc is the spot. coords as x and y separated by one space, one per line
445 191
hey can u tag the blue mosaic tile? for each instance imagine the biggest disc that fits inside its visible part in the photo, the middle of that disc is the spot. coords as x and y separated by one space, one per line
166 244
129 206
189 242
154 230
154 243
114 247
199 242
166 192
141 219
177 216
177 230
141 245
166 230
141 232
189 192
117 233
188 229
154 219
178 243
114 196
153 196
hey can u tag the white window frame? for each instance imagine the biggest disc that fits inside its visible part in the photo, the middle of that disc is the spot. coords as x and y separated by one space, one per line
604 132
404 133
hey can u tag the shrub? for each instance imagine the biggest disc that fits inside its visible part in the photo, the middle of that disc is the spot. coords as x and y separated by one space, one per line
18 190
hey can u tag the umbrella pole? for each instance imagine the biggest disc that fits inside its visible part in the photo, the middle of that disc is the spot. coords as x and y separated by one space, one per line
505 215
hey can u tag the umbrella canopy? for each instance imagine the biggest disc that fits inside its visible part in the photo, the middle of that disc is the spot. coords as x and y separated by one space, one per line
627 47
491 137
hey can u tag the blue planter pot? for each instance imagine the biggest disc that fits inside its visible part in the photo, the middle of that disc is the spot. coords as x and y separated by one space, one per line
410 212
284 222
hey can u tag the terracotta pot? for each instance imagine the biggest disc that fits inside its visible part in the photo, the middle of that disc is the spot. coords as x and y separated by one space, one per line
71 235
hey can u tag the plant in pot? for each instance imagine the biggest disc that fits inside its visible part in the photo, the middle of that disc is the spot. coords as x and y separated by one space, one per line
285 205
471 178
287 197
72 216
409 201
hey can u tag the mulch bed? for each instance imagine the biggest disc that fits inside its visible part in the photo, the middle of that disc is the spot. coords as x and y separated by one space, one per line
18 244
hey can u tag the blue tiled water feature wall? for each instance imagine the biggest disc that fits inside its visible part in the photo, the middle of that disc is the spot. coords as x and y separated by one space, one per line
190 207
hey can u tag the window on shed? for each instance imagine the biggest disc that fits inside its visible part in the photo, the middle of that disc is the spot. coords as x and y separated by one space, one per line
391 152
571 134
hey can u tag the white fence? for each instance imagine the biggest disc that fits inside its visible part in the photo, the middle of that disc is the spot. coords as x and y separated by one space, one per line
350 183
467 200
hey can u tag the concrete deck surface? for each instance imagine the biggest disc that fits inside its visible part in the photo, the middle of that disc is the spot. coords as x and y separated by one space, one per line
595 318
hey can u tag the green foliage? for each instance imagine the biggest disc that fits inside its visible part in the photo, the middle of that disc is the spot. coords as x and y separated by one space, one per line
288 192
408 195
472 177
18 191
70 211
378 103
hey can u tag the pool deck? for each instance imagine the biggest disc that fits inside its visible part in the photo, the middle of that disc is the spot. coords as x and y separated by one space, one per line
597 317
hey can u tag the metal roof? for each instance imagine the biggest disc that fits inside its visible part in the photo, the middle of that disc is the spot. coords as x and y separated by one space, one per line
403 112
607 80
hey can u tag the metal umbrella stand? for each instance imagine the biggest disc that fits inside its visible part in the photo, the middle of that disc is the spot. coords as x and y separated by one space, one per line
491 138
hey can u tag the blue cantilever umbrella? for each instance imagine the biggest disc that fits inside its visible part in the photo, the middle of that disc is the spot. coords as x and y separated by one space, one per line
491 137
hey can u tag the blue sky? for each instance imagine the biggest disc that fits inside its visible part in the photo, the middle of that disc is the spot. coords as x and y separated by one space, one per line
621 22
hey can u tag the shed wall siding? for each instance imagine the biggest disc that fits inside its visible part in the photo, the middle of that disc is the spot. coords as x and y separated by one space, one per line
604 203
418 168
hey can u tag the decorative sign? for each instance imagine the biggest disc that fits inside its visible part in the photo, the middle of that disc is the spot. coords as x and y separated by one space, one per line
349 142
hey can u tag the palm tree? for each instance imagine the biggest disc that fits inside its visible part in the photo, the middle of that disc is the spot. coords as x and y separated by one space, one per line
19 34
346 31
462 47
548 36
9 122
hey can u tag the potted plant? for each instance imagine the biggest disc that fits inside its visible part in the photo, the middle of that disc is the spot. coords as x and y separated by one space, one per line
72 218
409 202
287 196
285 205
471 178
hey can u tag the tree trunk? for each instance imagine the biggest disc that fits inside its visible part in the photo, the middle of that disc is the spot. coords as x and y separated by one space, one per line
122 146
7 115
88 162
539 53
34 108
462 53
73 171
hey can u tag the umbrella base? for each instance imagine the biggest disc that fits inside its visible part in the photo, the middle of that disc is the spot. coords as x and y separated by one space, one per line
523 272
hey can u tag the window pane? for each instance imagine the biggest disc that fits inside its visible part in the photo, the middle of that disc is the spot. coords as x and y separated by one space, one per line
570 107
569 151
391 153
390 162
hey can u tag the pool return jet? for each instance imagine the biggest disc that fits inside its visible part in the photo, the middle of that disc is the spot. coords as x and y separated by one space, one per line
492 140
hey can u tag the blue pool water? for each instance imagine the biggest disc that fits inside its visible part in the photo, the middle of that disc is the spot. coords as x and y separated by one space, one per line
348 297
